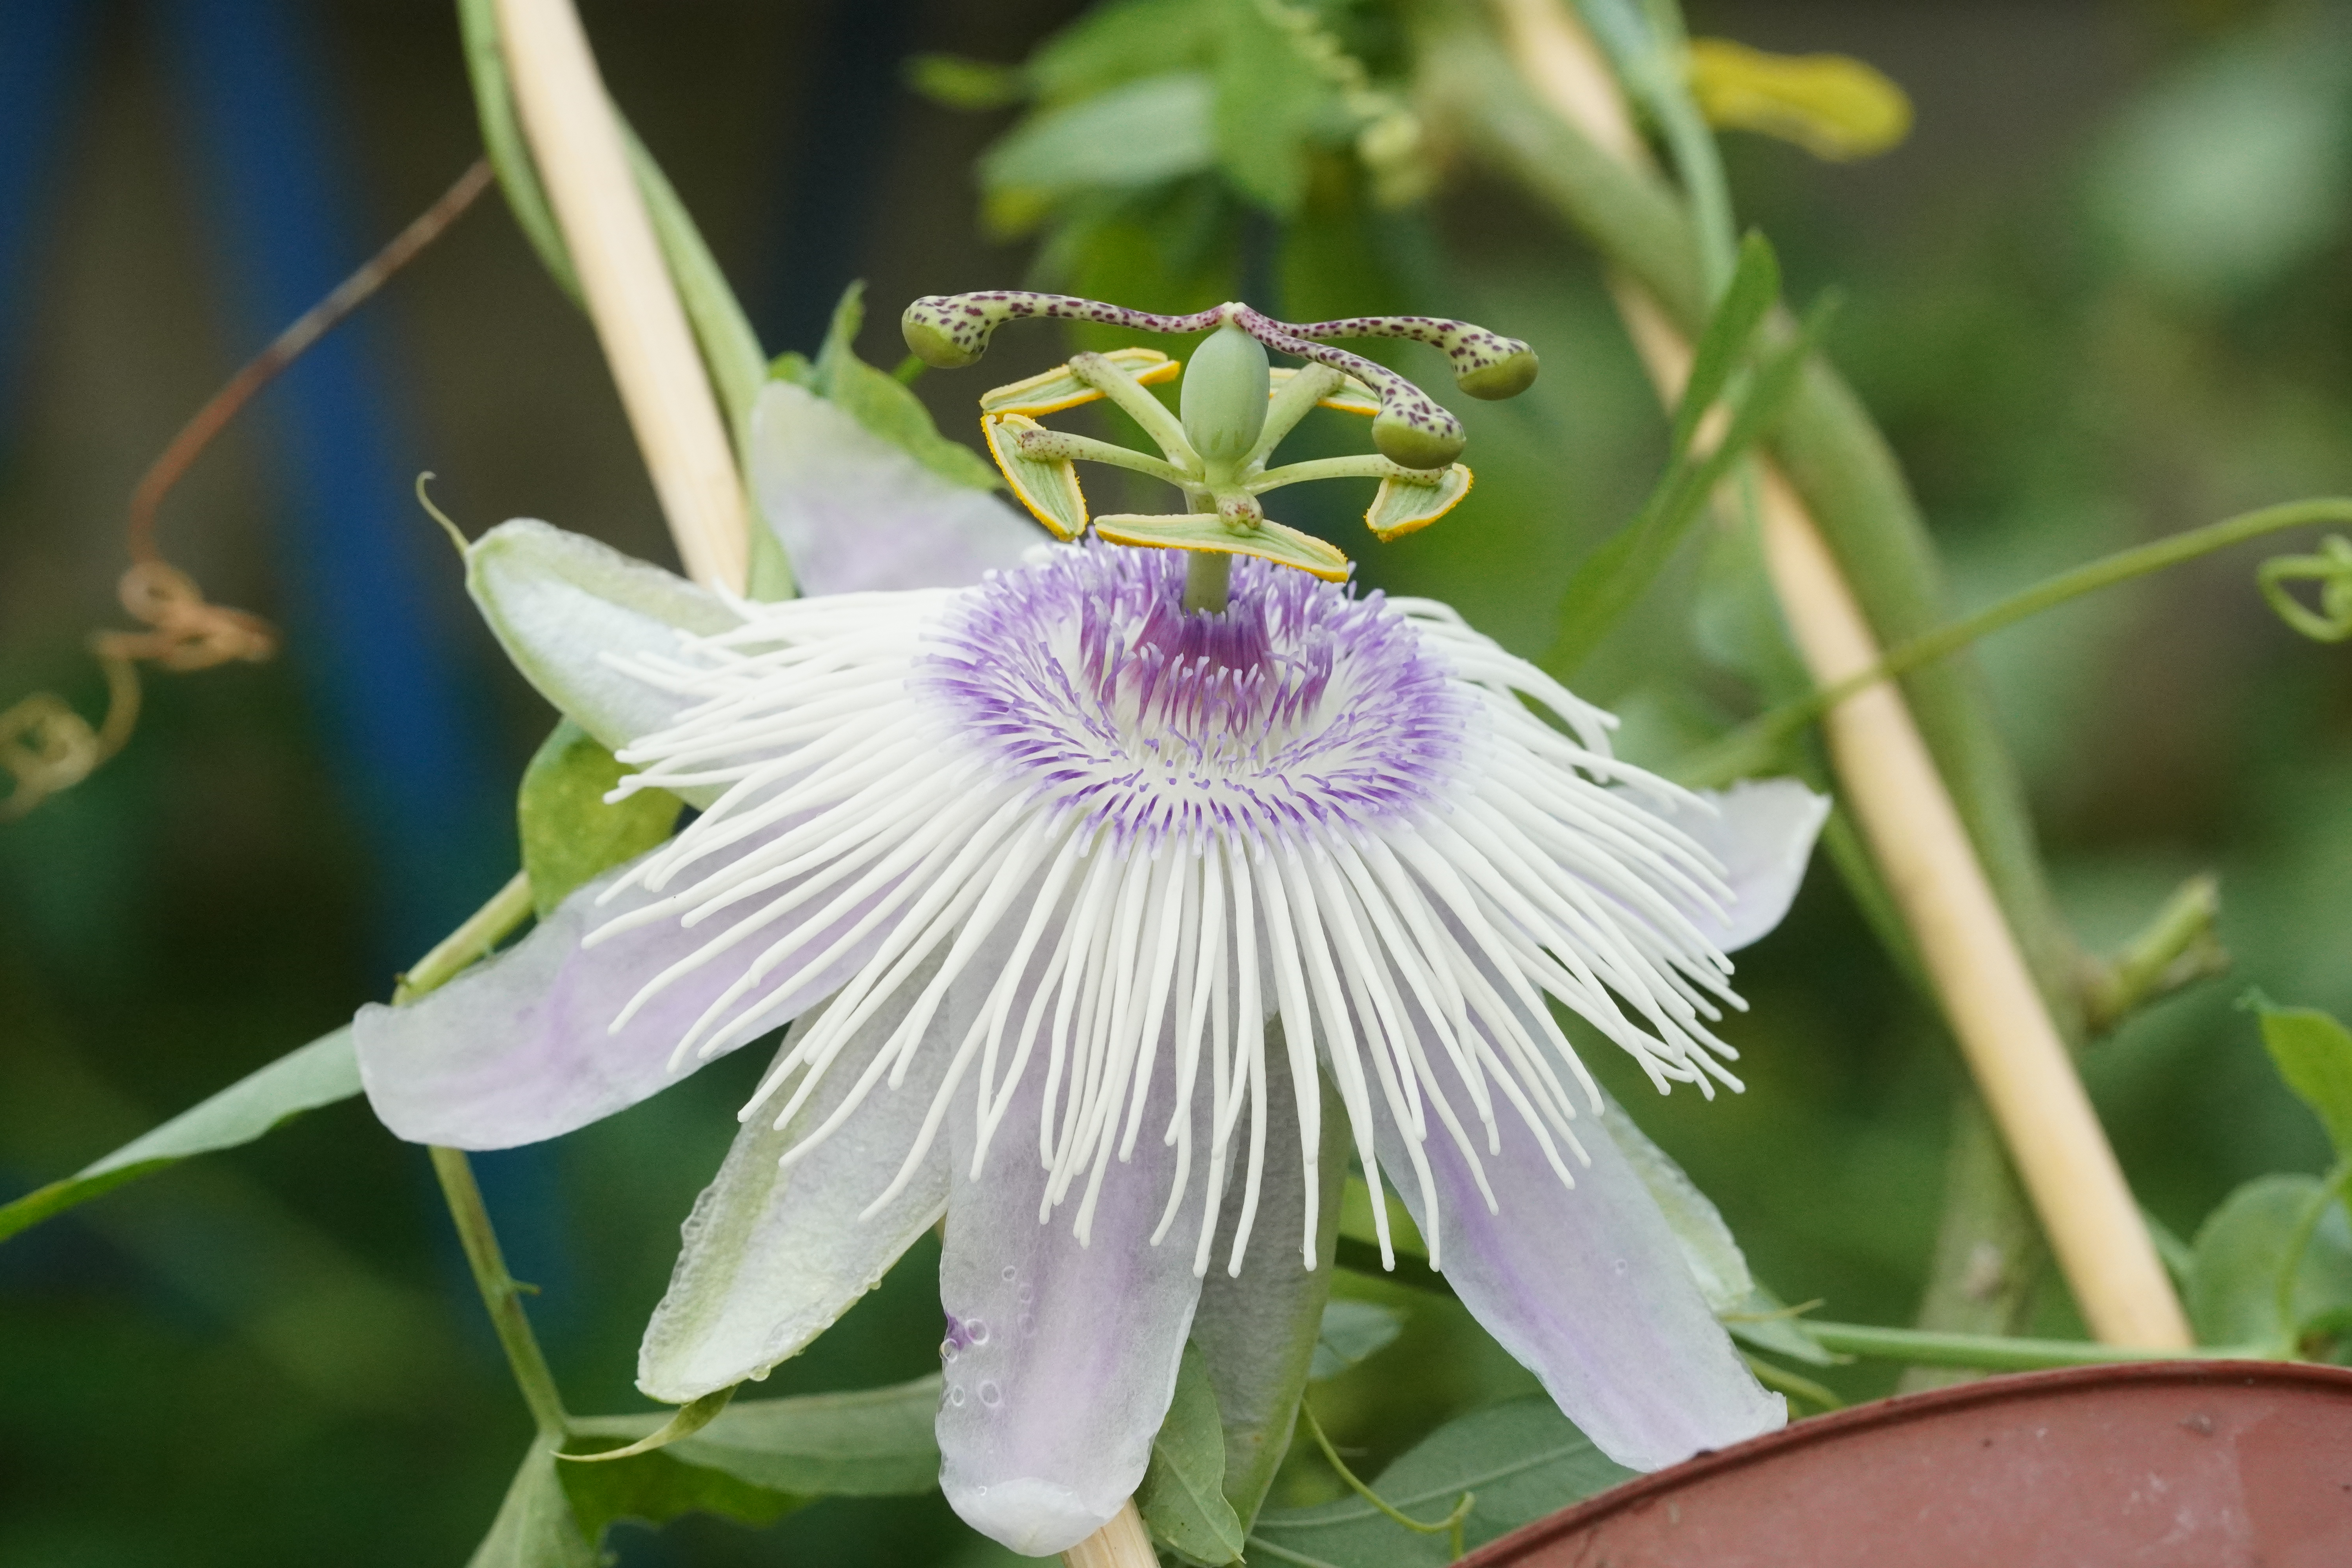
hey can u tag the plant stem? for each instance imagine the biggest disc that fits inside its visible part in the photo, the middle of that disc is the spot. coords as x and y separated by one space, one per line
482 930
500 1293
1985 1353
1451 1525
2177 948
1761 737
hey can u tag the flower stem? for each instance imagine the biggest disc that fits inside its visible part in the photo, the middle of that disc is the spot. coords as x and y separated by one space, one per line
1208 578
1761 738
1985 1353
501 1293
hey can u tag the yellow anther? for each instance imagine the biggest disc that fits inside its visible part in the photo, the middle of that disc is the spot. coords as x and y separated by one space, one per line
1403 506
1048 486
1050 391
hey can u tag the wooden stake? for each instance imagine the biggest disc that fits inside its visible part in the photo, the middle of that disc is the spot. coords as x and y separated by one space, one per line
2005 1031
1121 1544
577 144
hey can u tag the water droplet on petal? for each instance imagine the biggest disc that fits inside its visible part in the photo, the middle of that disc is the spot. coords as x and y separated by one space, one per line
1028 1294
991 1395
1010 1273
955 1394
976 1331
1028 1323
947 1350
1618 1268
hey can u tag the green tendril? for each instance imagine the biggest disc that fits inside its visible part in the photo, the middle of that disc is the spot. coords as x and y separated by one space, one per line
1451 1526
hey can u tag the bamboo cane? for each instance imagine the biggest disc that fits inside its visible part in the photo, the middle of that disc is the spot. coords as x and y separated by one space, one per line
578 146
2004 1029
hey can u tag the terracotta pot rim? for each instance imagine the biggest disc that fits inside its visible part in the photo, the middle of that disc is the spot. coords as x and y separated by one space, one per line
1898 1411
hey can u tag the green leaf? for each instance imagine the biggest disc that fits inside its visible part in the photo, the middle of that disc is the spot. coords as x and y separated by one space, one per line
570 834
535 1527
885 405
1723 347
2314 1054
958 81
875 1442
1353 1331
656 1488
319 1073
2241 1251
1118 42
1183 1496
1521 1458
1270 104
1138 134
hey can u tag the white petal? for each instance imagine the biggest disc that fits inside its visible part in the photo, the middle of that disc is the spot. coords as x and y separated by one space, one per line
521 1047
1063 1356
561 602
772 1256
856 512
1762 833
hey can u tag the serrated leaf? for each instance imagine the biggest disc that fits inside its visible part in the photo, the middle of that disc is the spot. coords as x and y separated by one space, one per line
884 403
1121 41
1522 1459
535 1527
2314 1055
2241 1251
1183 1496
1353 1331
875 1442
321 1073
1272 105
570 834
1136 134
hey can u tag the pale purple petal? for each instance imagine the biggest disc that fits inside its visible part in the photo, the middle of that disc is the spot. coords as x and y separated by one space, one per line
1590 1290
1763 832
857 512
563 606
773 1255
1060 1359
521 1047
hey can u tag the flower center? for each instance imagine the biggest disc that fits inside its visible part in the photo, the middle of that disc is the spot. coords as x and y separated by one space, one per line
1300 706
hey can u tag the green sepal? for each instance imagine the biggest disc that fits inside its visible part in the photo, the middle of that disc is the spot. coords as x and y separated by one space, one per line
570 834
321 1073
1048 486
1406 506
884 403
1181 1497
1269 541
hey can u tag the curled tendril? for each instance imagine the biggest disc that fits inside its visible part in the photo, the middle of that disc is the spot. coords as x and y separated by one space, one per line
2331 568
950 330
